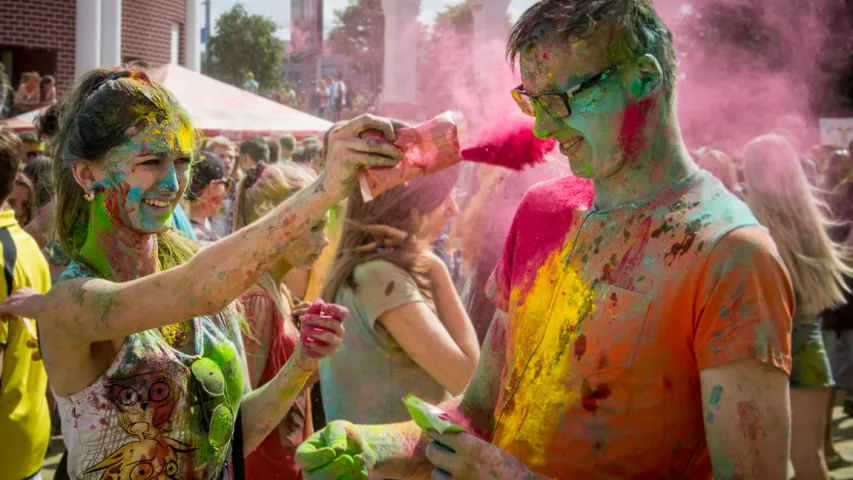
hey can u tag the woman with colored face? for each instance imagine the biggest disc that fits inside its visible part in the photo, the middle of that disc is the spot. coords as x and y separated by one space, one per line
140 338
269 309
408 331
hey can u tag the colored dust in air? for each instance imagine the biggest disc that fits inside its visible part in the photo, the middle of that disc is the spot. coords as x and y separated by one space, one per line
512 145
545 388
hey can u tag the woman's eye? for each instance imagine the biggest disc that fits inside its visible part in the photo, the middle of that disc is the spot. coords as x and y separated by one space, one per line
151 163
182 161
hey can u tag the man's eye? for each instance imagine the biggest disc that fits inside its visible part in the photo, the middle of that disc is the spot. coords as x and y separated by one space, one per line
182 161
153 162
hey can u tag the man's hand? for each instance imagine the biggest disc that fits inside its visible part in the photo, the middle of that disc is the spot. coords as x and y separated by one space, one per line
24 302
337 451
463 456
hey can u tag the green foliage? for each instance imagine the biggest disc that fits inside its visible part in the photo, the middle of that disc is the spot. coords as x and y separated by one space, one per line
245 43
359 34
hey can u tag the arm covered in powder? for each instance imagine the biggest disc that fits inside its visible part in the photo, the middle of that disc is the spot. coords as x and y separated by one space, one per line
91 310
399 450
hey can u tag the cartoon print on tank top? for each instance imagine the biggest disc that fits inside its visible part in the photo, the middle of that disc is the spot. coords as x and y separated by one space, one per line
144 404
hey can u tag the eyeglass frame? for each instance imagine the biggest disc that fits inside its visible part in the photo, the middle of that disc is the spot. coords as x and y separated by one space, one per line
565 96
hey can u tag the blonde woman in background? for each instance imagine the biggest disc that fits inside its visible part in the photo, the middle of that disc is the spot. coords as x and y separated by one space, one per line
781 198
269 307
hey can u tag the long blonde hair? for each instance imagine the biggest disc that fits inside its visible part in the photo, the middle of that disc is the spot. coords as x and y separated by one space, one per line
263 188
781 198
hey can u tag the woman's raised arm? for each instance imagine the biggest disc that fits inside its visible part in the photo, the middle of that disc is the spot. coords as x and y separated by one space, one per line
90 310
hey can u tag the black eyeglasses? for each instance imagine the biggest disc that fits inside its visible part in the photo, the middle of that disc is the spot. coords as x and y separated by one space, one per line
555 103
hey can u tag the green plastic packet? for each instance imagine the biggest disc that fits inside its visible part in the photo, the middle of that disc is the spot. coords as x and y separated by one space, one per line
429 417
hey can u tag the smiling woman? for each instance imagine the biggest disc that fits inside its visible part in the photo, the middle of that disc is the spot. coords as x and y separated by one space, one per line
140 337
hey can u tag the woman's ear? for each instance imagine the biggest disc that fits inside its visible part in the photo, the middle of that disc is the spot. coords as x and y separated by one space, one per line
87 174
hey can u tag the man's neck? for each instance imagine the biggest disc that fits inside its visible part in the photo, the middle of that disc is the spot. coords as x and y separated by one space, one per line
661 162
116 252
199 213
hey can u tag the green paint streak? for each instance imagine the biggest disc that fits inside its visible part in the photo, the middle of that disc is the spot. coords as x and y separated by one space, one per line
716 396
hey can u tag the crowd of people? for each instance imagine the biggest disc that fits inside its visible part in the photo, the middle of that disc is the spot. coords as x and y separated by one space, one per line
34 92
205 309
330 98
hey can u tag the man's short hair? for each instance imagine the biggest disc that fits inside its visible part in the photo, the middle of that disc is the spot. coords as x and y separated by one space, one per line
256 148
11 151
637 30
217 142
275 149
288 142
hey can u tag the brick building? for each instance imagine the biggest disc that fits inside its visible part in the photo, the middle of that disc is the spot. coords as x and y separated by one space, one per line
65 38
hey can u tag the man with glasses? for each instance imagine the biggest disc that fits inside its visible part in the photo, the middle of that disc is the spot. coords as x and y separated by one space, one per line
648 314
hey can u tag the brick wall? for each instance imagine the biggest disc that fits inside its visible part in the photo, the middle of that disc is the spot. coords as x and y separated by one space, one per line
47 24
147 29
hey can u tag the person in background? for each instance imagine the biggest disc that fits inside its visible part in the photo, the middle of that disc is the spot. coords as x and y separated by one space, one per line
289 96
47 123
38 170
27 98
47 87
274 148
269 308
288 145
722 168
22 199
337 96
780 196
252 151
398 294
251 84
227 152
33 146
24 414
209 186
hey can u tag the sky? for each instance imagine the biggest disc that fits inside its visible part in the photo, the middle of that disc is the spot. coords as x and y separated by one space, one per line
279 10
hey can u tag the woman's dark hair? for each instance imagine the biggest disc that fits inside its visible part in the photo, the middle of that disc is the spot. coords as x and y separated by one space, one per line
45 80
275 149
39 171
395 208
47 123
106 109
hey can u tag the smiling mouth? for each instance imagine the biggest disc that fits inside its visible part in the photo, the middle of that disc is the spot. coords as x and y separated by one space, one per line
572 146
156 203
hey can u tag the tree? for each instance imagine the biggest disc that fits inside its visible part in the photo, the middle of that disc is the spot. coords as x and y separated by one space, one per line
245 43
359 34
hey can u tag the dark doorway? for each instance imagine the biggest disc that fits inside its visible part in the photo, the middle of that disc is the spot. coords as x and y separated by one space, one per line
20 60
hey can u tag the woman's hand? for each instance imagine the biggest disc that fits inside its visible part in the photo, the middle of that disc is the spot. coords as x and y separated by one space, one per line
24 302
298 311
320 334
384 237
348 153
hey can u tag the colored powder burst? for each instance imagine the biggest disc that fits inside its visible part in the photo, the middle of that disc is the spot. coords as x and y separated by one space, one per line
511 145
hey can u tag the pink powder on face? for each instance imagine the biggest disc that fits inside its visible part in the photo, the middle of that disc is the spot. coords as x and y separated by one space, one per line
511 145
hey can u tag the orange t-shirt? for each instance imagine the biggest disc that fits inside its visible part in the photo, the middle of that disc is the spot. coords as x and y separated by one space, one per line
613 314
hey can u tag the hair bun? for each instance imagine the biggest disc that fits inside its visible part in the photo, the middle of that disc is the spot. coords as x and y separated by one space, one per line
47 124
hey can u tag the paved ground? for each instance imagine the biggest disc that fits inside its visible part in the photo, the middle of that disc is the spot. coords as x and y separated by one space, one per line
842 428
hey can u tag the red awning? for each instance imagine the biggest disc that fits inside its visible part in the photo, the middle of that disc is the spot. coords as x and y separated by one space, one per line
217 108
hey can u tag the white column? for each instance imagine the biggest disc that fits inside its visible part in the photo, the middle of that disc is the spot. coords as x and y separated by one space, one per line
490 29
401 50
192 35
88 36
110 33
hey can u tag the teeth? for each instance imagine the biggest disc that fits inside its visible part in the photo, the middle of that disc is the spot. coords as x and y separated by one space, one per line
156 203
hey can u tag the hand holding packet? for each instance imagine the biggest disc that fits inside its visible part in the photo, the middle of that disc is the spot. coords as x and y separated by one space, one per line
430 417
429 147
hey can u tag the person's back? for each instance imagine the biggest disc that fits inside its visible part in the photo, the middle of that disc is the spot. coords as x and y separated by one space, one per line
24 415
371 372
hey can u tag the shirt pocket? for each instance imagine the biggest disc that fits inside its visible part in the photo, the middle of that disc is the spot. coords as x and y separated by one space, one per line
611 333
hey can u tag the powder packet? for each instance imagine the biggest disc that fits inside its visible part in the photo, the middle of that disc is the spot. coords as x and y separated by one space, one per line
429 147
430 417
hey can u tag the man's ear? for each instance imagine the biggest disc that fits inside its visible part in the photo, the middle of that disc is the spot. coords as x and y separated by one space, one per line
647 77
86 174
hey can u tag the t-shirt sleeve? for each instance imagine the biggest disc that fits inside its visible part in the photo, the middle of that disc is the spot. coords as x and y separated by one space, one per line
383 286
745 303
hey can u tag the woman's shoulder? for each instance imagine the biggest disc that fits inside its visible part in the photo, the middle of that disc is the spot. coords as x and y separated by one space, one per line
377 270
